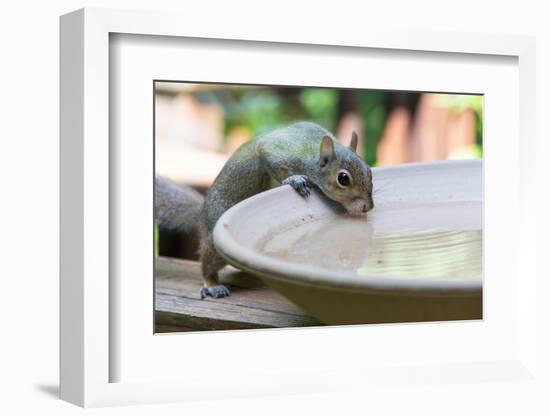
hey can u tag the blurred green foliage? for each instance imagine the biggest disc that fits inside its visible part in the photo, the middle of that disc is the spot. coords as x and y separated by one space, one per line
257 109
374 111
320 106
260 109
458 103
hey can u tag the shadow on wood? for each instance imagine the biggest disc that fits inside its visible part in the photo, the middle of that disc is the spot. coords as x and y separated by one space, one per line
252 304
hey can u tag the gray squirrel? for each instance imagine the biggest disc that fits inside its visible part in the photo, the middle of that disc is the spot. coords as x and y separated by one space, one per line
303 155
177 208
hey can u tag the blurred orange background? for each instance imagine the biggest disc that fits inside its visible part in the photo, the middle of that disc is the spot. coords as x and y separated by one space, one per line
199 126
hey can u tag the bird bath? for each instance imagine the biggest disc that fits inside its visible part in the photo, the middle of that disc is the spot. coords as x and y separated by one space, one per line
417 256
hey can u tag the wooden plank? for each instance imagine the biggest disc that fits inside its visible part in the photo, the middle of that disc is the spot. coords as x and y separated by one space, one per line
162 329
252 303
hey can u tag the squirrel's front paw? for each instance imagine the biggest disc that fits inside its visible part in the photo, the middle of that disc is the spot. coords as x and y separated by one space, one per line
300 183
219 291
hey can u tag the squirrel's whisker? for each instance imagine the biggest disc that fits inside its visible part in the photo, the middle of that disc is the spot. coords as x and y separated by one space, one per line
382 187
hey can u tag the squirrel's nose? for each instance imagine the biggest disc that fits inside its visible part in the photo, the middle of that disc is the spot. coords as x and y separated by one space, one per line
368 207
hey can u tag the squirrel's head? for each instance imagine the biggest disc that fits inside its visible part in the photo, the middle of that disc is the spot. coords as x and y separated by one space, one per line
347 179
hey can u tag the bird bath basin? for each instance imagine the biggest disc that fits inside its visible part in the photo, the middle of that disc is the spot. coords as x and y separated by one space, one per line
417 256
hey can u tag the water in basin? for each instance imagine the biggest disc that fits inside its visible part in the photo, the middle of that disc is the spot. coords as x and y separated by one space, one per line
426 241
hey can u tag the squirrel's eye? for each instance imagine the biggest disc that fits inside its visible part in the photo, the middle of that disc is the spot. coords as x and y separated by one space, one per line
343 179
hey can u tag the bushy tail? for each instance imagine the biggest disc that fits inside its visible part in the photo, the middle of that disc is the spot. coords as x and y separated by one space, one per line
177 208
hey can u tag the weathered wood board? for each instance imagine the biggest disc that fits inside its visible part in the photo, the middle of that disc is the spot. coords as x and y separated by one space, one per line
252 304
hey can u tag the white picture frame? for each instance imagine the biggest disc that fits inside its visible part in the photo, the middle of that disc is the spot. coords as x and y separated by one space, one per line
87 302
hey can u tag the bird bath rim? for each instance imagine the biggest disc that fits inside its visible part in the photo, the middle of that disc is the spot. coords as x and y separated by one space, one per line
247 258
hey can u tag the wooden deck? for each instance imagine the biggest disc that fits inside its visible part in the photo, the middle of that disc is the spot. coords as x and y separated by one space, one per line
252 304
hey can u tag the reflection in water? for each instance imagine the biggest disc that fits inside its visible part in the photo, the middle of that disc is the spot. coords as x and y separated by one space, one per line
443 254
431 249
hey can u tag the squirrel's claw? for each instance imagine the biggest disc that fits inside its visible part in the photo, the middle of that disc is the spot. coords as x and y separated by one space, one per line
300 183
219 291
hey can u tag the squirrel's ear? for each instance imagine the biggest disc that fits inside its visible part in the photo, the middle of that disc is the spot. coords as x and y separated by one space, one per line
353 142
327 151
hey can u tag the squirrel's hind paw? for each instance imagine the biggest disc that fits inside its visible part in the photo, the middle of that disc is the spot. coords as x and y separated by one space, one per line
219 291
300 183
